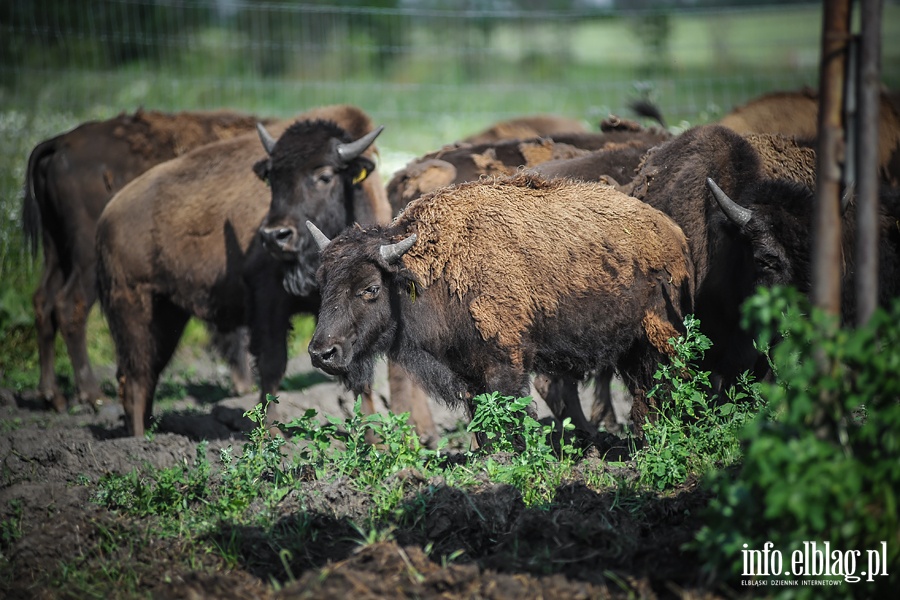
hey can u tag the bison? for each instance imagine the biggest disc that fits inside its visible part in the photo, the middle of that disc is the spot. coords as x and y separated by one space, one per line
774 220
475 286
458 163
614 152
523 128
69 180
773 177
795 113
184 240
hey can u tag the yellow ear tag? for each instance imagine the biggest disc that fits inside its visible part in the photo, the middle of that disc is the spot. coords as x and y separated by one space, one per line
412 291
362 175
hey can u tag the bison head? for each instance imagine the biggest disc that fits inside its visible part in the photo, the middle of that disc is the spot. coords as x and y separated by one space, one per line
356 280
314 170
777 227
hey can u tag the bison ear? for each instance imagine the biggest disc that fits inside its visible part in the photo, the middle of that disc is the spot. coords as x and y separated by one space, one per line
261 169
359 169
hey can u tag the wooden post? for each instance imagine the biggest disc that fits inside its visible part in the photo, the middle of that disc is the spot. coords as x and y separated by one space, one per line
868 101
830 157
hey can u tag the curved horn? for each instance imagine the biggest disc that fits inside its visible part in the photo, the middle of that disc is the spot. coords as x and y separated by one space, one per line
849 192
266 138
351 150
391 253
734 211
322 240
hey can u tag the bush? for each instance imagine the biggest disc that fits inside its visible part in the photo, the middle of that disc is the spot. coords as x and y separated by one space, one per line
821 465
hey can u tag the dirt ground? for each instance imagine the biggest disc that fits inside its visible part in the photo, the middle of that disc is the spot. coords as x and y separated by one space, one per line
478 543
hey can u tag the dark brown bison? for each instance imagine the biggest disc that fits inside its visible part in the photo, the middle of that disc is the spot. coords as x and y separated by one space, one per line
773 178
182 240
69 180
523 128
775 221
795 113
475 286
615 165
459 163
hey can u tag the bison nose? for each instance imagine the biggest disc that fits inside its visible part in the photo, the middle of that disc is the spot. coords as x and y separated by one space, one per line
326 357
278 238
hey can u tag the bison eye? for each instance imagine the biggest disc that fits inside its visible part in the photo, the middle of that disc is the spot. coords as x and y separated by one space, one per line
324 177
371 292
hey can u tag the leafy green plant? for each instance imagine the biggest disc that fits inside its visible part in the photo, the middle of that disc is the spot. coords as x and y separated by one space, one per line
532 465
692 430
163 492
260 471
821 465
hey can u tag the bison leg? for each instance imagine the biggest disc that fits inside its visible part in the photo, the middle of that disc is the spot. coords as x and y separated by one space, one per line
602 411
72 308
146 334
408 396
561 395
45 324
269 327
234 347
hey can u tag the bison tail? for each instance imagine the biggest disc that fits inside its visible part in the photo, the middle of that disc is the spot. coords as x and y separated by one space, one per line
31 206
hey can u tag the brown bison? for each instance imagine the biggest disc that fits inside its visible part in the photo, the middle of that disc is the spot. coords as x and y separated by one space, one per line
523 128
467 162
795 113
69 180
183 240
475 286
613 152
614 165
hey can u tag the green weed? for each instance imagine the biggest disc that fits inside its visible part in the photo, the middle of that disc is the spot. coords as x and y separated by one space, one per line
533 466
693 432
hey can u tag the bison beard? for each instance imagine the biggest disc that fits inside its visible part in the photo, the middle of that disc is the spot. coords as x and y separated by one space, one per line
300 278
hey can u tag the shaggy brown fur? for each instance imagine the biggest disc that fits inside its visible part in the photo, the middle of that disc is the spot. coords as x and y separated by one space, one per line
512 278
789 113
781 157
534 152
152 132
505 277
523 128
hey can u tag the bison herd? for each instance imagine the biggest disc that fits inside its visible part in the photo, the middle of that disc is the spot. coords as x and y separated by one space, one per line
535 252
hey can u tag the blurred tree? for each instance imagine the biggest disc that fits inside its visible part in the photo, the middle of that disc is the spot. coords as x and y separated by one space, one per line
306 33
95 33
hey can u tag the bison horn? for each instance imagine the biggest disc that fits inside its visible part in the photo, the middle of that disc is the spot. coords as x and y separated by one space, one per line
849 191
351 150
391 253
734 211
266 138
322 240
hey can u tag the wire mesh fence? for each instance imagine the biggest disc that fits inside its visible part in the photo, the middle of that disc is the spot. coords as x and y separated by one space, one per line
424 62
